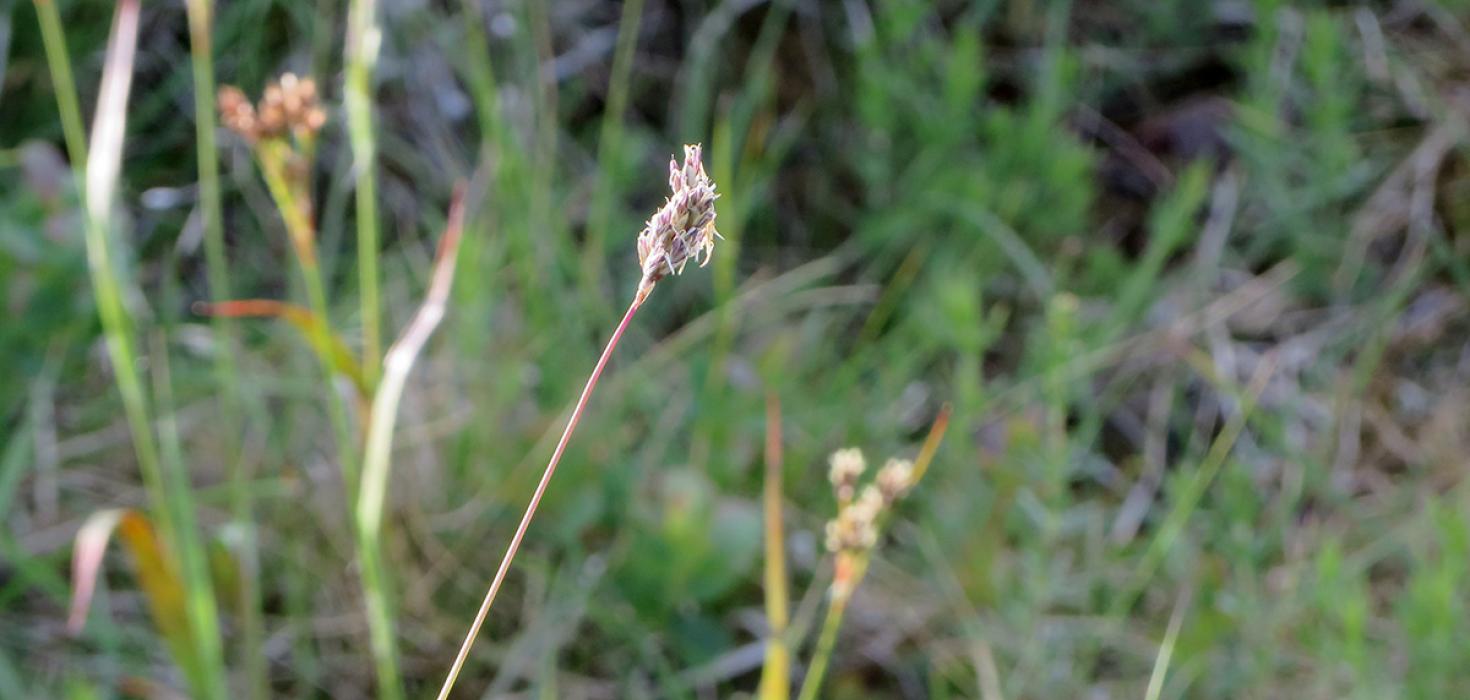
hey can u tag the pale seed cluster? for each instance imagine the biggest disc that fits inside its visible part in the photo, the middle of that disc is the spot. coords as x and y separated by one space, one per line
288 106
684 227
847 466
855 529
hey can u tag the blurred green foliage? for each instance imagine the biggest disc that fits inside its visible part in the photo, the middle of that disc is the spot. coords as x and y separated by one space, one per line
1086 225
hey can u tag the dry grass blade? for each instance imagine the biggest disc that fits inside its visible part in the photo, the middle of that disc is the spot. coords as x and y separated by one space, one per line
112 105
399 361
160 581
931 444
379 446
165 594
520 533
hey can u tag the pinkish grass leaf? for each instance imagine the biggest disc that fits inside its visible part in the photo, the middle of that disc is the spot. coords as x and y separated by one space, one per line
155 573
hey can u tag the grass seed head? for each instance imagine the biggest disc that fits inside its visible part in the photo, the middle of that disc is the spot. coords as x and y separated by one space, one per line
854 529
847 465
894 479
237 114
684 227
287 106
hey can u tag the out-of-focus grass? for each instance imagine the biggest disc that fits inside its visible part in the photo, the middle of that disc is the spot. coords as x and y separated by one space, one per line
1089 227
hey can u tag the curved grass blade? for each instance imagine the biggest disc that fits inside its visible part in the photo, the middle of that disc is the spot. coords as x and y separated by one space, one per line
328 346
159 579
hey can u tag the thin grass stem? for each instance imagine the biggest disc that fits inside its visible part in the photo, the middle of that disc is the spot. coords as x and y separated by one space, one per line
826 642
201 48
302 234
775 683
361 53
520 533
63 84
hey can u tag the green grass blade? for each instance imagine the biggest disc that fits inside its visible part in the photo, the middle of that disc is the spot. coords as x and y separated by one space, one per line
64 84
247 607
171 506
363 38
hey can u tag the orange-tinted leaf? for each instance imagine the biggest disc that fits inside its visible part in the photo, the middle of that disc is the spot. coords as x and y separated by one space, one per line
931 444
326 345
155 572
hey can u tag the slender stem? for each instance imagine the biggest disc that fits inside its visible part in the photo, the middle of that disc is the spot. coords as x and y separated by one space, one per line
211 677
303 239
515 540
849 568
823 653
610 149
63 84
362 46
241 507
775 683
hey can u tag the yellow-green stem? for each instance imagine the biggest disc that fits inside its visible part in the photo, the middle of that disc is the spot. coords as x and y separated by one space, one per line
64 85
303 239
825 644
775 683
378 448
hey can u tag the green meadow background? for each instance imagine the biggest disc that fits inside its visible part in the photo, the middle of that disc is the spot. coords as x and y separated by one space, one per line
1190 276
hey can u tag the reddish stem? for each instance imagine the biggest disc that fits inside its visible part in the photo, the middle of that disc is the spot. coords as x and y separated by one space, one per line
515 540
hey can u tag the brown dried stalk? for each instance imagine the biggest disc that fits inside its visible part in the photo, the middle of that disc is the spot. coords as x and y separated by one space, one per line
682 229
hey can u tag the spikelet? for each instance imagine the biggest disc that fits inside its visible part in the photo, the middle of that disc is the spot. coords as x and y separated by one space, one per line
847 466
894 479
854 531
683 228
287 106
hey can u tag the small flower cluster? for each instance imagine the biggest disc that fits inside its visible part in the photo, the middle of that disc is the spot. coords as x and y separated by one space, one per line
288 106
684 227
855 529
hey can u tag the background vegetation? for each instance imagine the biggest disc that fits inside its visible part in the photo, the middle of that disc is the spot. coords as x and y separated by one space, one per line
1190 274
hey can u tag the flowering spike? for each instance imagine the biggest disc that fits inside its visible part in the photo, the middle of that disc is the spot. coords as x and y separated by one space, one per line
287 106
684 227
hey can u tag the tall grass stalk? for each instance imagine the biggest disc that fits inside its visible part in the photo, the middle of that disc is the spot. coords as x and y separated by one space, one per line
378 448
678 232
775 683
168 489
59 64
361 52
363 39
520 533
822 654
1166 648
247 606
